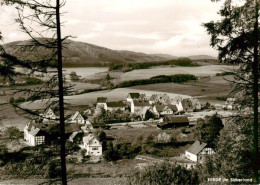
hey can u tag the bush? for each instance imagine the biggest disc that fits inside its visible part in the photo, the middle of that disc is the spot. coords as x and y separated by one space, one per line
225 73
53 170
12 133
73 76
165 174
11 100
33 81
221 98
19 100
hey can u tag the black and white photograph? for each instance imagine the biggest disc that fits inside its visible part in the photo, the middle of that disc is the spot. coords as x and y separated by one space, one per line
129 92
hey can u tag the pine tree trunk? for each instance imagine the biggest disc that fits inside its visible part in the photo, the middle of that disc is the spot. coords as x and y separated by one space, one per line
255 90
61 100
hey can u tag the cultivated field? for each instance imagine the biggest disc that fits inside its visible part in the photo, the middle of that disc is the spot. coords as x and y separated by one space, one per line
208 70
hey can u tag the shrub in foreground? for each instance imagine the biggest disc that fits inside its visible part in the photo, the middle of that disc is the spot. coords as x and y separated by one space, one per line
166 174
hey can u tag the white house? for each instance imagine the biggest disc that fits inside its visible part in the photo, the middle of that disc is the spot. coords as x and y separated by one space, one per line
102 102
198 151
138 106
92 145
77 118
48 115
165 109
33 135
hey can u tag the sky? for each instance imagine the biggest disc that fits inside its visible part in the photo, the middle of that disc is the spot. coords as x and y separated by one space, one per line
151 26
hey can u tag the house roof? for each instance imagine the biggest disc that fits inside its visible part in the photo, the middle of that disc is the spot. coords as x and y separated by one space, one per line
88 138
134 95
160 108
74 134
196 147
173 107
75 115
116 104
72 127
34 131
98 124
29 125
176 119
141 103
101 99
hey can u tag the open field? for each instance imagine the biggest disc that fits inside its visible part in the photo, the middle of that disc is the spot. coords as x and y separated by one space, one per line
209 70
207 89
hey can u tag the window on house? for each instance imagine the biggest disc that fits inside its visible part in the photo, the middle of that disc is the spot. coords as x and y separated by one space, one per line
95 148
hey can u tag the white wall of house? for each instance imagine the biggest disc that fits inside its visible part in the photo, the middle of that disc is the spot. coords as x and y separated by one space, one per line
93 147
94 150
191 156
132 107
100 105
26 133
129 99
35 140
179 106
167 111
115 108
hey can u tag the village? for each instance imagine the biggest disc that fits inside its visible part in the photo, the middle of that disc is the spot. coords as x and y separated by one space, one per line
137 111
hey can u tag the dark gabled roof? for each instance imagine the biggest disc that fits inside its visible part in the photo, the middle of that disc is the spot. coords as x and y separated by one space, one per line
176 119
101 99
98 125
196 147
173 107
160 108
141 103
134 95
116 104
72 127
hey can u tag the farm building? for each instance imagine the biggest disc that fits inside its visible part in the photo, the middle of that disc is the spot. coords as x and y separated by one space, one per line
198 151
173 121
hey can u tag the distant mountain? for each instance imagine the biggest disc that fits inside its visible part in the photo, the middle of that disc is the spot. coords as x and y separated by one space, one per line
83 54
169 57
202 57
